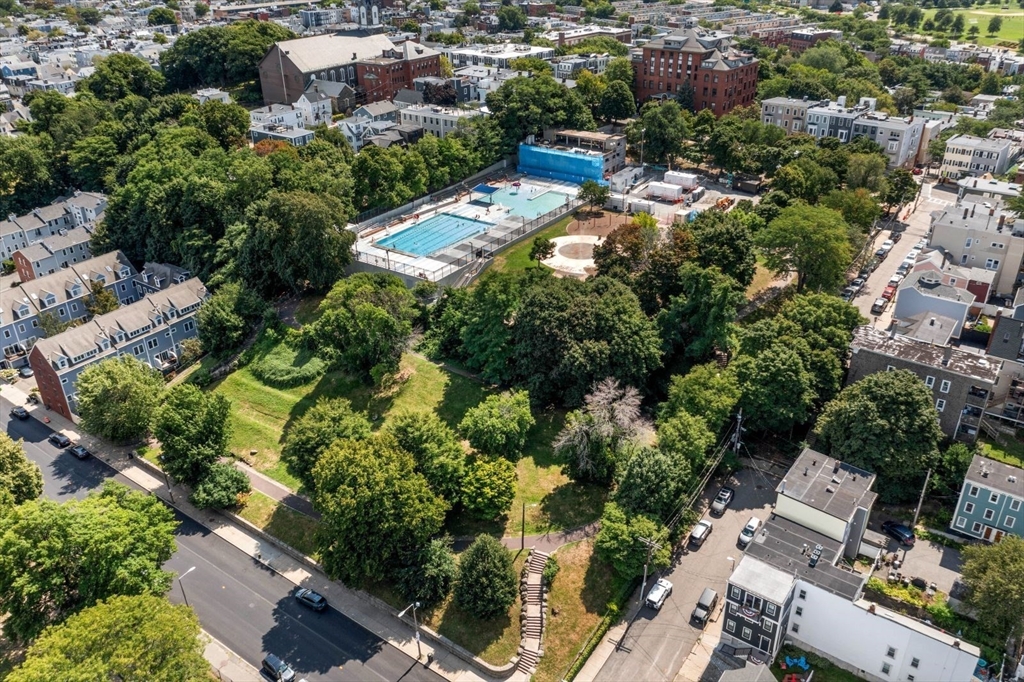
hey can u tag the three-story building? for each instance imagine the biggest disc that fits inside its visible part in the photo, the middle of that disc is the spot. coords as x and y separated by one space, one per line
991 503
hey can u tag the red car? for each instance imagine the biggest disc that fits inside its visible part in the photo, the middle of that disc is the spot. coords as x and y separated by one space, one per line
917 171
889 292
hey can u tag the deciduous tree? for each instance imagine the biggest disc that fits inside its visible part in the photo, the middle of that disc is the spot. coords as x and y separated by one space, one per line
706 391
220 488
699 319
226 317
117 398
724 241
20 478
810 241
192 426
617 102
436 449
101 300
541 249
486 586
776 389
311 434
122 74
431 575
499 425
593 438
489 487
593 193
992 575
618 542
651 482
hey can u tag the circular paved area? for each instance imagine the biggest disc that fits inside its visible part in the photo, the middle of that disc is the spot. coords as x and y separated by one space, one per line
573 254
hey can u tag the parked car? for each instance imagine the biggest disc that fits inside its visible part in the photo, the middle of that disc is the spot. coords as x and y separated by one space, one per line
275 669
19 412
923 244
917 171
700 532
895 280
848 294
313 600
59 439
857 284
904 268
749 531
79 452
914 253
889 293
880 254
879 306
887 245
705 606
659 593
895 235
899 532
722 500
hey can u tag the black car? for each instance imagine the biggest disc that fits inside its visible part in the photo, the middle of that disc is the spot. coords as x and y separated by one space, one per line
59 439
79 452
899 532
309 598
19 412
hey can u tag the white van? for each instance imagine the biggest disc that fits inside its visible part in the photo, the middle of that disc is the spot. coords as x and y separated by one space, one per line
749 531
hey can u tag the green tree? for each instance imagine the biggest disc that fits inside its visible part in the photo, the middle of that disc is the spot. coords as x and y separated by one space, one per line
100 300
26 178
489 487
685 438
193 429
776 389
533 65
900 189
618 542
311 434
651 483
499 425
992 575
973 32
619 69
527 106
724 241
593 193
700 319
867 171
375 508
220 488
617 102
226 317
201 9
805 179
706 391
117 398
56 559
365 324
122 74
486 586
905 100
661 130
20 478
430 577
949 474
226 123
991 84
885 423
435 447
541 249
857 207
995 24
589 88
162 16
957 27
810 241
593 438
511 18
51 324
141 637
91 159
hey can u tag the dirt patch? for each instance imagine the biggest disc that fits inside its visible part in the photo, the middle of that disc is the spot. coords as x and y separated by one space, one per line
579 251
598 223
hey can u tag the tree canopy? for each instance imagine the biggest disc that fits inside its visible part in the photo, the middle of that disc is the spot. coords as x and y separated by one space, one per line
499 425
486 585
992 576
20 479
117 398
193 430
811 242
312 433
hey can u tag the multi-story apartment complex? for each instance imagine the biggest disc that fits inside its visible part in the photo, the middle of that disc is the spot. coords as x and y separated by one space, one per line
17 232
791 585
499 56
151 330
991 502
721 76
438 121
396 69
979 236
787 113
51 254
63 296
968 155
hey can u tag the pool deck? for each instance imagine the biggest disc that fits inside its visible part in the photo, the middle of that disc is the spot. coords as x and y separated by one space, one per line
426 267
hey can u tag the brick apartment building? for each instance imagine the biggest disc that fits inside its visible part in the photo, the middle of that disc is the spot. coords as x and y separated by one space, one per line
381 78
722 77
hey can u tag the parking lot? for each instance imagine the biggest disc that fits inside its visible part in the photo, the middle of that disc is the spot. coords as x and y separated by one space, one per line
931 561
665 211
658 642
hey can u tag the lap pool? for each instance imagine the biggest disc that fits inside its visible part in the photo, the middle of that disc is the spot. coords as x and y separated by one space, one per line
434 234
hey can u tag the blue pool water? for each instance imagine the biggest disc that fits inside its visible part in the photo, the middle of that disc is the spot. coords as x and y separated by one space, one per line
434 234
525 204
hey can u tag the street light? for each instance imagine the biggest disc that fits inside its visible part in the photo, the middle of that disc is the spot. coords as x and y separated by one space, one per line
182 587
415 605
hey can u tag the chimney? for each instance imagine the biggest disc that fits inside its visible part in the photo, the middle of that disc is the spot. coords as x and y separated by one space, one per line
931 323
947 353
835 469
1002 221
973 206
975 183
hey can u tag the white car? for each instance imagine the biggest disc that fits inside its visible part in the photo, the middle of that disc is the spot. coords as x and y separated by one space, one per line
914 253
888 244
659 593
895 280
749 531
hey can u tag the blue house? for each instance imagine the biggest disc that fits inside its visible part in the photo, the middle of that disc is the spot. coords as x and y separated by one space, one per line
991 501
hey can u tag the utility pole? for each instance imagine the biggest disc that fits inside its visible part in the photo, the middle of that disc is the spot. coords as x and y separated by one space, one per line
737 438
920 500
651 546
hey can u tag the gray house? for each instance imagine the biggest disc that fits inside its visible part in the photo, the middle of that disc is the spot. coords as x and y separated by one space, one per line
991 502
51 254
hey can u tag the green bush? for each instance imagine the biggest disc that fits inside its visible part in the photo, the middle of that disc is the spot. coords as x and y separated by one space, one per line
220 488
551 569
486 584
279 361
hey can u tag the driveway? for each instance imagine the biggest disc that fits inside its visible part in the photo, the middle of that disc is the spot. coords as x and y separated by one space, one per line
658 642
917 228
933 562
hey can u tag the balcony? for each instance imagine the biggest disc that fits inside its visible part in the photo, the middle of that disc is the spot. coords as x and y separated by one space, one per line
977 396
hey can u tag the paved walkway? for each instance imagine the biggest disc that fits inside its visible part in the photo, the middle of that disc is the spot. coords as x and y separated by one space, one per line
354 604
277 491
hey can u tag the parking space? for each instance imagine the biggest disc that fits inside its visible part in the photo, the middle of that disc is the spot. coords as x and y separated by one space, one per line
658 642
665 211
932 562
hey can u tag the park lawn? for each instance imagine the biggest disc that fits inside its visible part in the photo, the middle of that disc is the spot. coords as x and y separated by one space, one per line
517 257
580 594
763 277
1008 449
1011 31
287 525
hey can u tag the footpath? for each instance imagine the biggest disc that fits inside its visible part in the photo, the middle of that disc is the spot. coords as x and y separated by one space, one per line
228 666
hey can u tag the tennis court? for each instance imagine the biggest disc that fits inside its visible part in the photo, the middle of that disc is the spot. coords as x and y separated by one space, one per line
434 234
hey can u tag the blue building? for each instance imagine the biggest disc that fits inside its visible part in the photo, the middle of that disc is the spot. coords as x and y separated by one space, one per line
569 165
991 502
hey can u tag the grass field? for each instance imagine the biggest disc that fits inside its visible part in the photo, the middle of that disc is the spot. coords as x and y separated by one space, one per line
1007 449
1012 29
518 256
285 524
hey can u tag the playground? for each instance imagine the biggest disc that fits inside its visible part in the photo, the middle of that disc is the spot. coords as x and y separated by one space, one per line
574 251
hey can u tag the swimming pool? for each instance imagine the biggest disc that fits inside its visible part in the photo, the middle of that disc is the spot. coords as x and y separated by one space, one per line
528 205
434 234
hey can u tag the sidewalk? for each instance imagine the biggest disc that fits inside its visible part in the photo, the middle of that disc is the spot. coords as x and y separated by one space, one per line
354 605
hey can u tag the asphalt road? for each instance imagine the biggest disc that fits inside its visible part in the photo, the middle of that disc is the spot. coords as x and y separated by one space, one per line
658 642
245 605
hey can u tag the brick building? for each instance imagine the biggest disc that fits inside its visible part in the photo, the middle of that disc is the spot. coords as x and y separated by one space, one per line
381 78
722 77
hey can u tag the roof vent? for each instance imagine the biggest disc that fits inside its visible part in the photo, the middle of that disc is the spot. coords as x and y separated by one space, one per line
835 469
835 479
805 471
829 489
1011 479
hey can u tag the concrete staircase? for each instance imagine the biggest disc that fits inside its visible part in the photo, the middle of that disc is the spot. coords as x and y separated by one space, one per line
534 599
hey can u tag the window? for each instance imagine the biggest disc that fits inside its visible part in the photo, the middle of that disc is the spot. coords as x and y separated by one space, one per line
968 508
944 386
886 668
992 263
152 343
796 627
799 610
64 380
968 243
74 307
961 522
189 325
929 381
890 652
915 662
735 592
940 405
974 491
989 513
767 625
35 324
976 528
769 609
61 312
21 328
993 498
139 349
910 678
730 626
1014 505
124 287
803 594
747 634
996 245
1008 521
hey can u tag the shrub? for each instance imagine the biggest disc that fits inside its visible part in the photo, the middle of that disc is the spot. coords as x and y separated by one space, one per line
489 487
279 362
220 488
498 425
486 585
431 576
551 569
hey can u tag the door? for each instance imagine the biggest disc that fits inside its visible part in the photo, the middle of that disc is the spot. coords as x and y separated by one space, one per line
766 645
988 533
998 536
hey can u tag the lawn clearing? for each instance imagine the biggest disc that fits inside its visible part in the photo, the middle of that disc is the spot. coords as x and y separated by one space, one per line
285 524
763 277
580 594
518 257
1011 31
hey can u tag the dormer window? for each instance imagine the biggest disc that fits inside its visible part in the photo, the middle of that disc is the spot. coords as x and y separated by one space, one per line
76 290
158 320
99 277
61 362
104 343
125 273
118 337
22 311
49 300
